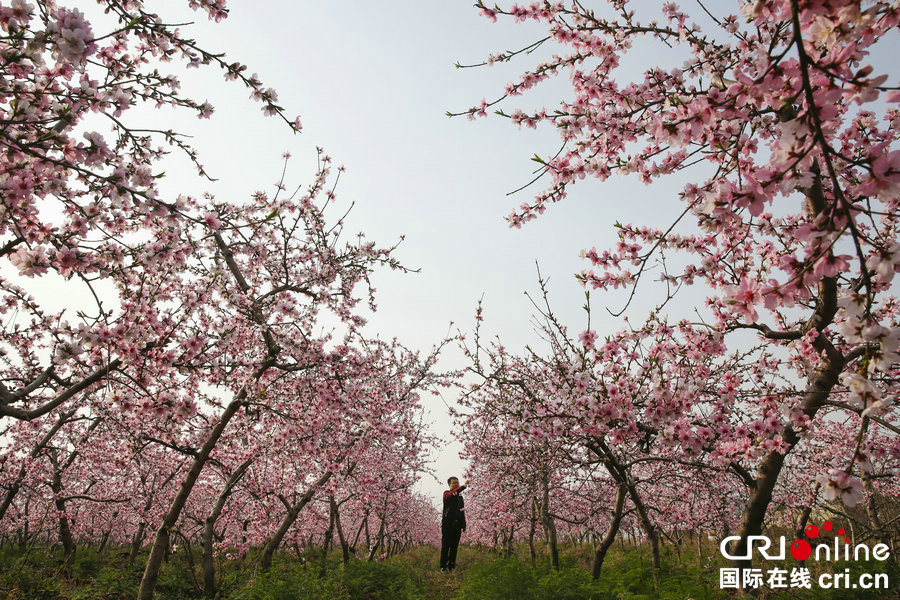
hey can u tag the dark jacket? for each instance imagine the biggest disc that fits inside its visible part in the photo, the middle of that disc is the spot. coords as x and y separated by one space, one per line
454 513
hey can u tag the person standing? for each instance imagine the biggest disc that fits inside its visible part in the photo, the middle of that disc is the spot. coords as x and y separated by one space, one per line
453 523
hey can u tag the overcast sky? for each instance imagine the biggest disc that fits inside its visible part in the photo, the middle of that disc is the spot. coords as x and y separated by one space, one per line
372 82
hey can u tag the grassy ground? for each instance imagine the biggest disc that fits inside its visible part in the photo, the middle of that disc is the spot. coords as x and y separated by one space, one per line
481 575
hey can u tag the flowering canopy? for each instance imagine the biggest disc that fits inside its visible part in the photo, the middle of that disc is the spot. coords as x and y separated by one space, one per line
785 122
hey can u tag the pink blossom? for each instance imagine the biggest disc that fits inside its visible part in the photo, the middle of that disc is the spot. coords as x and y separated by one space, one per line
212 220
745 297
31 263
587 338
840 485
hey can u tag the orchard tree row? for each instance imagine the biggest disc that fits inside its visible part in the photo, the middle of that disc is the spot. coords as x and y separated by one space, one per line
178 370
762 388
194 372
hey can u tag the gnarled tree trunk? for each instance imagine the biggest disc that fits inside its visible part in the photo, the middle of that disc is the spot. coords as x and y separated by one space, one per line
65 532
770 468
532 529
209 529
379 539
547 520
345 547
163 534
620 476
265 563
611 531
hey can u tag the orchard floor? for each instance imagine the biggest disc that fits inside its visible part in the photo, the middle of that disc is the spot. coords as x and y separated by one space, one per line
35 573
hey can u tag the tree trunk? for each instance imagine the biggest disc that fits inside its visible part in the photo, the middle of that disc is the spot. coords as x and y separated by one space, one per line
803 519
531 531
138 539
163 534
103 541
136 542
817 392
620 475
65 532
209 529
362 524
547 520
610 537
275 541
761 494
378 539
328 538
345 548
368 538
649 528
106 535
23 537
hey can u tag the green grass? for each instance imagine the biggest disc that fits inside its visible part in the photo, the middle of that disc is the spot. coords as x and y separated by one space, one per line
36 573
626 576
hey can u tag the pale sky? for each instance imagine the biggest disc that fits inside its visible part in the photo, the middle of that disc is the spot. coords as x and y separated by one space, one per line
372 82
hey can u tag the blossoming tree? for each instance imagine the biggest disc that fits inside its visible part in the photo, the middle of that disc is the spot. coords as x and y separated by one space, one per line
192 330
786 116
